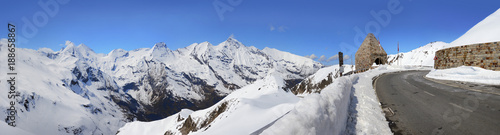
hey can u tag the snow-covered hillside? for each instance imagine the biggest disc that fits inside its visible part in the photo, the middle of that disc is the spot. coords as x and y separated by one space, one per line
485 31
422 56
255 108
319 80
78 91
241 112
488 30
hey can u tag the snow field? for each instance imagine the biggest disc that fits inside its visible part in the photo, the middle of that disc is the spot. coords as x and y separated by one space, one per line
485 31
468 74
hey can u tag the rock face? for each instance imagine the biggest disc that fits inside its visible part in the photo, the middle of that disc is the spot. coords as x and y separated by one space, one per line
370 52
484 55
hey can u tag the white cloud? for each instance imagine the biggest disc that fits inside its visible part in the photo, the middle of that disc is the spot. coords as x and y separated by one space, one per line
334 57
281 28
322 58
312 56
330 59
346 57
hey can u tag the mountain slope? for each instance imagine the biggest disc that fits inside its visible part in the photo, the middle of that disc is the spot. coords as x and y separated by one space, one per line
98 93
422 56
485 31
257 105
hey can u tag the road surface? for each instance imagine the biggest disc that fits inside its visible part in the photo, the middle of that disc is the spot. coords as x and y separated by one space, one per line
416 105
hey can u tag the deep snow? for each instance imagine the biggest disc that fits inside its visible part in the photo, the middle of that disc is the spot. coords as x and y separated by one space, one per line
467 74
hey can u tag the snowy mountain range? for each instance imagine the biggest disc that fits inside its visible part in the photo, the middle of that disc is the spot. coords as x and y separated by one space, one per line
83 92
199 89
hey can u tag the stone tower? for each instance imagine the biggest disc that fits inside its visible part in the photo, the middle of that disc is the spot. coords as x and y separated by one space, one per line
370 52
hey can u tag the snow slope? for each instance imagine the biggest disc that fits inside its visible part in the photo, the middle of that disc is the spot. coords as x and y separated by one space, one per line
319 80
422 56
485 31
468 74
245 111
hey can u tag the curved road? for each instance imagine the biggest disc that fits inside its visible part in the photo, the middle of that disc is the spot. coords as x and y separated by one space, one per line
420 106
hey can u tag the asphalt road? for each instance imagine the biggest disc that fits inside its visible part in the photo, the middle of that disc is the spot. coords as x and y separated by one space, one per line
421 106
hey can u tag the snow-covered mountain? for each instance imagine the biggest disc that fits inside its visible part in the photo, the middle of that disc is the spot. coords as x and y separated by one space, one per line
242 112
78 91
488 30
422 56
485 31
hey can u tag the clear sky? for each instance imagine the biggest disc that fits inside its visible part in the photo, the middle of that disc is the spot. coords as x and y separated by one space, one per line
320 27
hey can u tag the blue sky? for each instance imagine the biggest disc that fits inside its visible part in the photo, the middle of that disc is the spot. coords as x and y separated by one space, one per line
320 27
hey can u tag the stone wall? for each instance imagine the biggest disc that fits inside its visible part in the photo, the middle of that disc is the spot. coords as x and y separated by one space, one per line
484 55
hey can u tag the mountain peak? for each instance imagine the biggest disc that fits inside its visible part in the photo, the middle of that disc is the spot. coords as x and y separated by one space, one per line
83 47
160 45
231 41
69 43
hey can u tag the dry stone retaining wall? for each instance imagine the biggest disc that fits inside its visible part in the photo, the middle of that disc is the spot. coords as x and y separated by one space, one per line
484 55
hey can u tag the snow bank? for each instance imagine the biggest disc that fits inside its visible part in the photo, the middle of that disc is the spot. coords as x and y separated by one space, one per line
324 113
347 106
468 74
365 114
485 31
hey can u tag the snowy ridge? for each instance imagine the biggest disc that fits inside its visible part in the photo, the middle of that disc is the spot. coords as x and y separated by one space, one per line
50 92
98 93
319 80
483 32
422 56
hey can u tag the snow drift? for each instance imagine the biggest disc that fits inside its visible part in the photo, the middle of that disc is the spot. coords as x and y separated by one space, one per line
468 74
324 113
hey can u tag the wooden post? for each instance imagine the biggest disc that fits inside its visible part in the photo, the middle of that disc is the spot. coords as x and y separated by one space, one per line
341 63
